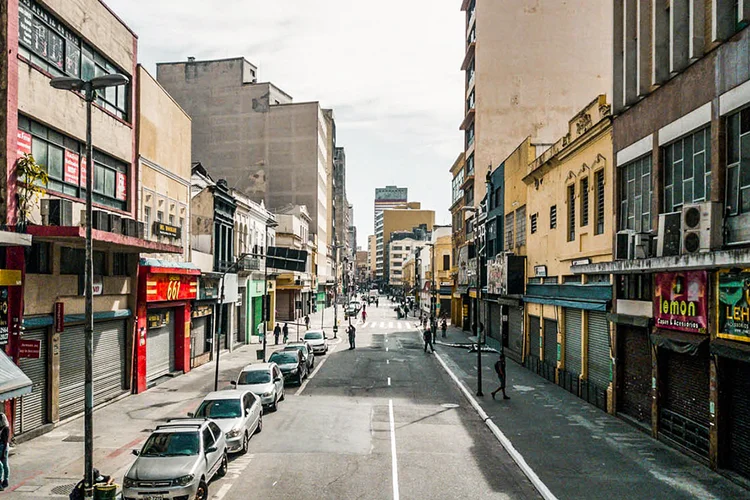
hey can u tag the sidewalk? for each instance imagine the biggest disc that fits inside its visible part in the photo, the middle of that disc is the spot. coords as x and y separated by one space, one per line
577 450
51 464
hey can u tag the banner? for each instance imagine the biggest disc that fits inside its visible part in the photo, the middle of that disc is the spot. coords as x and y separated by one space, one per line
734 305
681 301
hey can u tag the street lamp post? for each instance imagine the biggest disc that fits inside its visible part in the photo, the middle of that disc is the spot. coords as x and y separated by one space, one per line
475 211
270 222
433 301
89 88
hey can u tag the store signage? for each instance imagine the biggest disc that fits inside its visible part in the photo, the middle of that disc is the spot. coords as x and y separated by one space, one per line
3 315
98 284
681 301
23 143
157 319
83 172
29 348
734 305
581 262
71 167
161 287
59 317
121 188
209 288
200 311
540 271
161 229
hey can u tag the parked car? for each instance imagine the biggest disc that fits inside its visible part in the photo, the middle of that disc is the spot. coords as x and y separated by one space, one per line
306 350
265 381
238 413
317 340
292 366
177 461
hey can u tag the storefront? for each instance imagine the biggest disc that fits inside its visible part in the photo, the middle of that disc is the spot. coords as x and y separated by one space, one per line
163 330
634 384
254 308
201 328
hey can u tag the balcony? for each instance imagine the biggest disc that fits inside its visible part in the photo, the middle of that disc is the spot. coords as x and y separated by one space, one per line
469 57
468 180
468 120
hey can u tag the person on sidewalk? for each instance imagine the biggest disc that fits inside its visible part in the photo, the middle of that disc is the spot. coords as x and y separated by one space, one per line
352 336
377 303
444 326
286 332
276 333
500 370
4 445
307 321
364 315
427 336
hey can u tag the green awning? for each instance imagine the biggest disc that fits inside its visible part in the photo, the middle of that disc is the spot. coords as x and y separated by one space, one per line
681 342
578 304
730 349
13 381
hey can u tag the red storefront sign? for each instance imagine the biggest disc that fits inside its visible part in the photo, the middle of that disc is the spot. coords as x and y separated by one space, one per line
122 187
24 143
29 348
71 167
681 301
83 171
167 287
59 317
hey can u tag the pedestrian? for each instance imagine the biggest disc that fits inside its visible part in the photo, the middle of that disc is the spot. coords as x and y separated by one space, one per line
500 370
307 322
276 333
4 444
364 315
286 332
444 326
377 303
427 336
352 335
364 306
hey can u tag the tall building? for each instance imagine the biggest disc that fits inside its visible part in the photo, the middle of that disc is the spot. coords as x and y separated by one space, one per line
371 252
385 198
408 217
256 138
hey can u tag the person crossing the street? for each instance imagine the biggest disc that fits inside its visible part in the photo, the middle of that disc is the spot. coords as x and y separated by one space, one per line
500 370
307 321
286 332
352 336
364 315
276 333
427 336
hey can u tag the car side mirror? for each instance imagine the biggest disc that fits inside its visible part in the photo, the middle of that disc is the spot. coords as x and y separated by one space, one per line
211 449
277 379
233 383
191 414
136 452
247 411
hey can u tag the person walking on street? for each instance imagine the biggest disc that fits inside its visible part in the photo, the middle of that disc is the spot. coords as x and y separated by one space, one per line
286 332
364 315
4 444
307 321
444 326
500 370
276 333
427 336
352 335
377 303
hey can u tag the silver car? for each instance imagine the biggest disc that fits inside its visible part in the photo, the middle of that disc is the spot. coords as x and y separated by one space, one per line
238 413
177 462
308 356
317 340
265 381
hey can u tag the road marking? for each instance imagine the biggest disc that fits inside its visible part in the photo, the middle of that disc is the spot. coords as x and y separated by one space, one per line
389 381
315 371
387 361
394 461
222 491
390 324
386 349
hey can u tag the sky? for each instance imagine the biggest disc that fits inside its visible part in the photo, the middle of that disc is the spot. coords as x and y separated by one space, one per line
389 69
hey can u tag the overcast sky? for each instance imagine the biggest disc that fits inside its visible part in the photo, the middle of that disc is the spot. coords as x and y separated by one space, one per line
389 69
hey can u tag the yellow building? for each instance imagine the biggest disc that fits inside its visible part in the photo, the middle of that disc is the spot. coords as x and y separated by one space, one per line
441 251
405 219
458 237
570 220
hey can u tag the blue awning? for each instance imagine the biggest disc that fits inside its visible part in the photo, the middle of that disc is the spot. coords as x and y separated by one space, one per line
13 381
578 304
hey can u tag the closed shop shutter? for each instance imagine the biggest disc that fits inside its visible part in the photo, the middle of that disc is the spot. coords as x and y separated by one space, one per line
31 409
495 322
598 349
533 358
550 349
515 332
736 398
573 326
198 334
160 349
635 372
283 305
109 365
684 399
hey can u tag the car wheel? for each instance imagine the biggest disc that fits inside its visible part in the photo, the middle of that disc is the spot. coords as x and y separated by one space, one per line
202 492
245 442
283 395
224 466
274 406
259 429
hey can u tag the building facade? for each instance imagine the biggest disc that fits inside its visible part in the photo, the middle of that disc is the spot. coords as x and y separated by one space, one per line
294 289
385 198
407 217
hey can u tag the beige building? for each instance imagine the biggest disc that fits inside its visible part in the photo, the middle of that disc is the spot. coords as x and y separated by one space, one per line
371 254
398 251
407 218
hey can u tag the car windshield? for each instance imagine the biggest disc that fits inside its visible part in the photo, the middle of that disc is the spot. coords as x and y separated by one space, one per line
171 444
220 408
283 358
254 377
296 347
313 336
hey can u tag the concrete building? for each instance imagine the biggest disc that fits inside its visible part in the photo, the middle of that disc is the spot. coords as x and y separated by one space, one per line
458 241
294 289
549 79
385 198
408 218
255 137
398 249
362 268
441 284
371 255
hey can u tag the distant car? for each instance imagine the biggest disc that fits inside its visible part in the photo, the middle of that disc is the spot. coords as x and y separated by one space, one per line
307 353
292 366
265 381
317 340
238 413
178 461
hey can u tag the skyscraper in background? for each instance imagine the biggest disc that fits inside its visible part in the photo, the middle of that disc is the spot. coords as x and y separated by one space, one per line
385 197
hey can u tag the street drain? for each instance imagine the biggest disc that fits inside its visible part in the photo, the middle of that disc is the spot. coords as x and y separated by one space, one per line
449 405
63 489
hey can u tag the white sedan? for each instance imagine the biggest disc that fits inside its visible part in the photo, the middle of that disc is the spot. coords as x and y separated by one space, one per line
317 340
237 412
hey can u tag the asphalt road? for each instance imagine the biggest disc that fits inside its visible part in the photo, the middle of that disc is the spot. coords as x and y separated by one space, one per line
377 422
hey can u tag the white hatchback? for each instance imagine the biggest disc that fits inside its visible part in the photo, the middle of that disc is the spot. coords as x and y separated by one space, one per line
265 381
317 340
237 412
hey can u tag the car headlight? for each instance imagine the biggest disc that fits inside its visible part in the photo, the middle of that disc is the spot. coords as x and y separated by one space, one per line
183 481
128 483
293 372
267 394
233 433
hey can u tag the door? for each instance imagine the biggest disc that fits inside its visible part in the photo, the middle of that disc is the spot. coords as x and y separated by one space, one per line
598 349
735 395
550 349
31 409
212 457
634 395
534 337
257 314
573 341
198 334
515 332
160 346
278 380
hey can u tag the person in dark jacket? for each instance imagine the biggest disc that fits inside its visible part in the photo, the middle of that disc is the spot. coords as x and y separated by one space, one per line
427 336
276 333
286 332
352 336
4 444
500 370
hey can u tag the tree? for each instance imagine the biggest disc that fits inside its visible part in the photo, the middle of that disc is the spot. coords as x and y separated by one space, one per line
32 181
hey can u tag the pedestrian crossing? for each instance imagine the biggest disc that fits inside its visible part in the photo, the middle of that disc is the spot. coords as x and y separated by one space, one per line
391 325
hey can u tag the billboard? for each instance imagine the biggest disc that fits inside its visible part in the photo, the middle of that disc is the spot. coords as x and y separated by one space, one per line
734 305
681 301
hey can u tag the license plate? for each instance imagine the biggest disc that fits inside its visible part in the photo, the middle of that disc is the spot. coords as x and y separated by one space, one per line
153 497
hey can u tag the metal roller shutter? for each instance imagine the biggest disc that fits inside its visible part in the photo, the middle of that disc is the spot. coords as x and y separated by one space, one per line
549 365
198 329
635 369
31 409
72 355
573 328
160 350
515 331
495 322
736 376
534 327
598 349
284 305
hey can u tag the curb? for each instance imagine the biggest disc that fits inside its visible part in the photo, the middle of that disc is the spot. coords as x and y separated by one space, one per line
504 441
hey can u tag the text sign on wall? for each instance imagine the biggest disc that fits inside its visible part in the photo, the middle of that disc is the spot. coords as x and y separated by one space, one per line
734 305
3 315
24 143
71 167
161 287
681 301
29 348
59 317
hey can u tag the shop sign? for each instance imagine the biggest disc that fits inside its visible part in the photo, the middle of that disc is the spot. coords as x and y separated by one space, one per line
201 311
71 167
734 305
29 348
161 287
209 288
98 284
3 315
681 301
540 271
157 319
23 143
161 229
59 317
496 278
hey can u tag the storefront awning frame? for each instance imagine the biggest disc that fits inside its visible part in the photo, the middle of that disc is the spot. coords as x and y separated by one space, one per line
14 382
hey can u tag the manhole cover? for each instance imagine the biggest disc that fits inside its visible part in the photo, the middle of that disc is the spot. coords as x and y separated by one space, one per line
74 439
449 405
63 489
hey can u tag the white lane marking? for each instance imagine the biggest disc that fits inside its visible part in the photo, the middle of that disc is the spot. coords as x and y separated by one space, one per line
542 488
389 381
382 324
386 349
394 461
222 491
390 324
315 372
387 361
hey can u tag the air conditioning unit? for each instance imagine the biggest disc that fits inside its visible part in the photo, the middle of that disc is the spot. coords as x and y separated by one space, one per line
643 246
56 212
624 244
702 227
132 227
115 224
100 219
670 234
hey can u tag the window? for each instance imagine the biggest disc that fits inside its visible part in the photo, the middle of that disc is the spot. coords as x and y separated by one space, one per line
584 202
521 226
470 162
599 200
533 223
208 439
635 195
549 280
120 264
469 196
147 221
160 216
571 212
39 259
597 278
73 261
49 44
687 170
553 217
469 138
535 281
634 287
738 163
572 279
171 220
509 231
446 262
